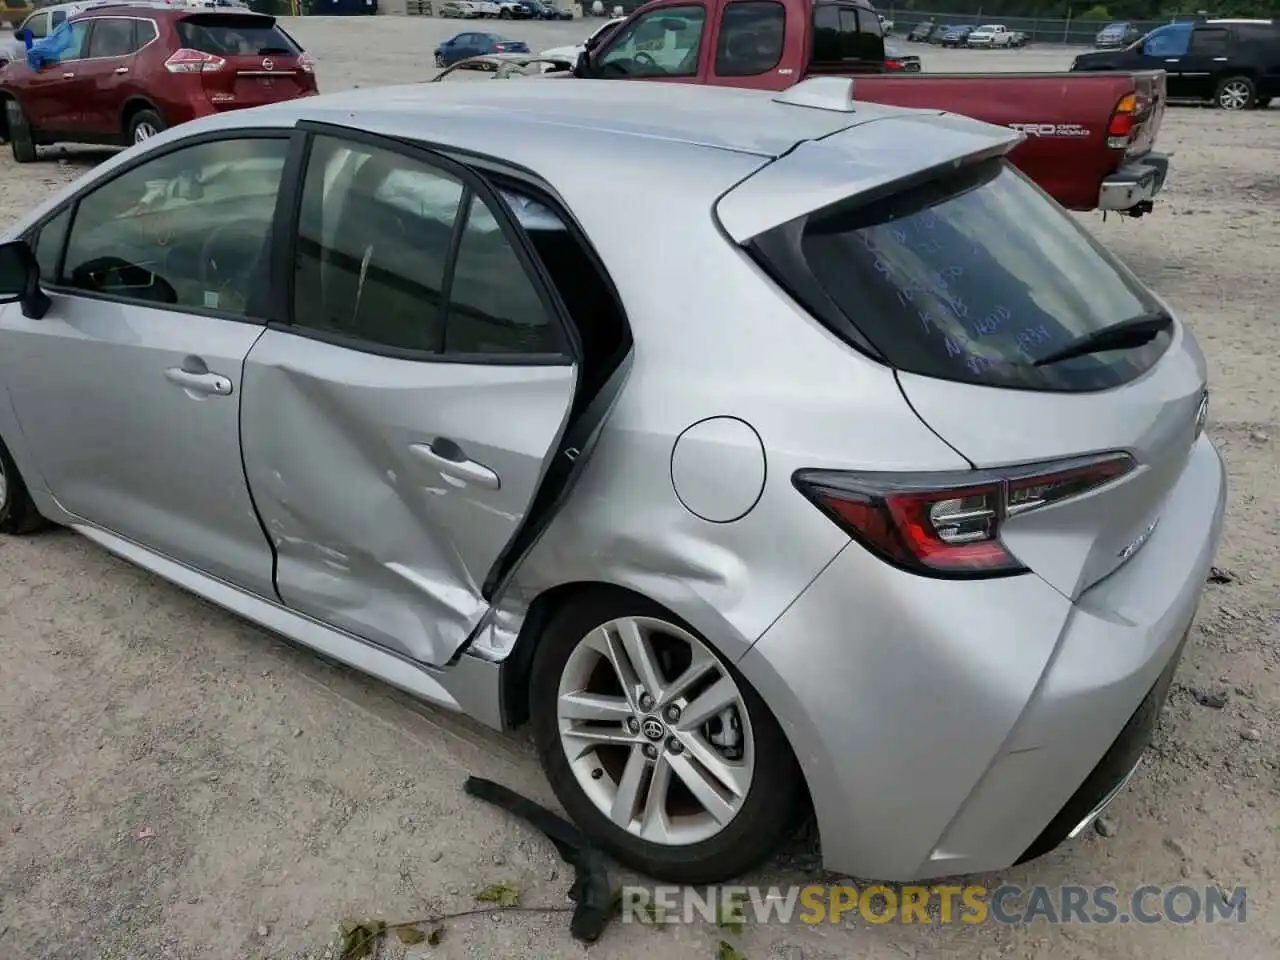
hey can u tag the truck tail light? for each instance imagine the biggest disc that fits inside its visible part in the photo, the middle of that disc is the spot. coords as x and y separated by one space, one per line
194 61
1125 118
893 64
948 524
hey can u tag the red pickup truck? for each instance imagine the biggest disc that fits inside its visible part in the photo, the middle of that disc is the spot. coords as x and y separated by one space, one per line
1088 137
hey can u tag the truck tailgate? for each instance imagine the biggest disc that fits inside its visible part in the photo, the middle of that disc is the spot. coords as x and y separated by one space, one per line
1065 117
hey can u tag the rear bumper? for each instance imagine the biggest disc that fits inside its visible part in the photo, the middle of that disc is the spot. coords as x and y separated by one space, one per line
1134 186
949 727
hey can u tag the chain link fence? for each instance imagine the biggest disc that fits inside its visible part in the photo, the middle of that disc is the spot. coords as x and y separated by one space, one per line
1037 29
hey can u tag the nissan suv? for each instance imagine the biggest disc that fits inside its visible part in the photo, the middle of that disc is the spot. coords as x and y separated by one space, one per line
117 74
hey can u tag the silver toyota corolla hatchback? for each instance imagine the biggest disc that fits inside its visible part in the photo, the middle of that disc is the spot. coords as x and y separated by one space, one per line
829 464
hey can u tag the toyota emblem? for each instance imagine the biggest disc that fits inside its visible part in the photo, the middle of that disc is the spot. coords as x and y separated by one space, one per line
267 64
652 728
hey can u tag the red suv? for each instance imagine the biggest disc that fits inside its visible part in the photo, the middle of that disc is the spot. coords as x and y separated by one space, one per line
128 71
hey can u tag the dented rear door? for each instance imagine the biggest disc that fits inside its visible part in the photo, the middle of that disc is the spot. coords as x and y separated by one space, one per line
391 477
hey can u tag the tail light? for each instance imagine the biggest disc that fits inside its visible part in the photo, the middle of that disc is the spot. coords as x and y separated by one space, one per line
1127 115
194 61
893 64
306 63
948 524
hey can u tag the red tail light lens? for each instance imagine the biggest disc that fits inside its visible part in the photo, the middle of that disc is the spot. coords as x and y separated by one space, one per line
194 61
893 64
1127 115
948 525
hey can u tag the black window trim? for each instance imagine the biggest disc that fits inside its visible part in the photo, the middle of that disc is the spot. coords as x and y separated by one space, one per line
288 211
255 312
782 47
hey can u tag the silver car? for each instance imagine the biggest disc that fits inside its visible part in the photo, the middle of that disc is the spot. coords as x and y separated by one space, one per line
829 466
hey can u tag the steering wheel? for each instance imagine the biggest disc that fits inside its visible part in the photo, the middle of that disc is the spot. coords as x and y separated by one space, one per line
228 257
645 57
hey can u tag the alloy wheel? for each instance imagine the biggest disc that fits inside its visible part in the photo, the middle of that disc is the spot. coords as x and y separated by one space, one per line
4 487
656 731
1234 95
143 131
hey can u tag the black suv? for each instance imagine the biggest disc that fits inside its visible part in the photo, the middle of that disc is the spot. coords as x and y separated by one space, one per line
1234 64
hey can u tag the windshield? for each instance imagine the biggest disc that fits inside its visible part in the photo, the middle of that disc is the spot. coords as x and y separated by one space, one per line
971 278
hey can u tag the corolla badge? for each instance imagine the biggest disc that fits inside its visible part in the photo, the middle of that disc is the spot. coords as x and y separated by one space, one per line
268 64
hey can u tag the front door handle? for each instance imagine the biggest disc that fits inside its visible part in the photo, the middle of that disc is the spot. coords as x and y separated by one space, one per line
210 384
67 76
122 69
447 457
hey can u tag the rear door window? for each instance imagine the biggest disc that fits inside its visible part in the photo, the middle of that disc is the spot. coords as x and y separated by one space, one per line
971 278
112 37
845 34
234 35
1210 42
750 40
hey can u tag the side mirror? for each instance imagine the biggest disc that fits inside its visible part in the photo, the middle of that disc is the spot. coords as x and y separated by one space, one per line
20 279
582 69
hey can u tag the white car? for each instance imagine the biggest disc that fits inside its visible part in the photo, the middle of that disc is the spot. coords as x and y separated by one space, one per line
991 35
572 52
886 26
486 8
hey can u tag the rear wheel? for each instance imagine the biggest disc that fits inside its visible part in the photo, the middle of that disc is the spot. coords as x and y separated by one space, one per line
144 125
18 512
439 61
1234 93
657 747
21 141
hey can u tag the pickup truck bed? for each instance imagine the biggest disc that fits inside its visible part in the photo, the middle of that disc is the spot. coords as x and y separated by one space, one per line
1067 125
1089 137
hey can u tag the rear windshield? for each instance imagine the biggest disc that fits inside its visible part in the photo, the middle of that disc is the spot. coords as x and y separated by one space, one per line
233 34
971 278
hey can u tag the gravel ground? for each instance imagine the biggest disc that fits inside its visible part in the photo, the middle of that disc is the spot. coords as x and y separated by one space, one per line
276 794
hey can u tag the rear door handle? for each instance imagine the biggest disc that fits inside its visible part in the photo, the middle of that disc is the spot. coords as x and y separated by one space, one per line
447 457
210 384
122 69
67 76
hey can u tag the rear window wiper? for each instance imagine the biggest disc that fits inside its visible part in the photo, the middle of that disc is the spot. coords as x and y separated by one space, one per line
1129 333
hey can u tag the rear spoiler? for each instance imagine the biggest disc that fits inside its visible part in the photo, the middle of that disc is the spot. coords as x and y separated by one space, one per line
882 150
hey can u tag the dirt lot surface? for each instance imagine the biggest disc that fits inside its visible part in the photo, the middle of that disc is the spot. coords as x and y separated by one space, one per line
275 794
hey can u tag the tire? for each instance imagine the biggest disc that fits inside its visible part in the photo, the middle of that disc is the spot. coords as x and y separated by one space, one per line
1234 93
143 125
18 513
21 141
439 61
504 14
753 820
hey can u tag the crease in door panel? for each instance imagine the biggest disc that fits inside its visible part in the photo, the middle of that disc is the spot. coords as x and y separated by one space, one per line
244 470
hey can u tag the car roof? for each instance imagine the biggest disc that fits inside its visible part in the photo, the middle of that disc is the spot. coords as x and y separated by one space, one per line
724 118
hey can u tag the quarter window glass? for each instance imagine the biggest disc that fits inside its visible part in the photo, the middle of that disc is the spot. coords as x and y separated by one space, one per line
750 40
1170 41
493 304
111 38
1209 42
188 229
663 43
373 242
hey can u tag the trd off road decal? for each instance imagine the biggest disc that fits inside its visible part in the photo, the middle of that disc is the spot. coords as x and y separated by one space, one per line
1052 129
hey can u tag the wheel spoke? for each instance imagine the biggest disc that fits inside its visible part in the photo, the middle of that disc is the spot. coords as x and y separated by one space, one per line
696 670
703 791
581 705
732 776
640 653
624 801
604 643
586 739
707 704
654 826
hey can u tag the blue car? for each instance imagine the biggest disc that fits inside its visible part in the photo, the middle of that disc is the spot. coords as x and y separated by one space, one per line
956 36
471 44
